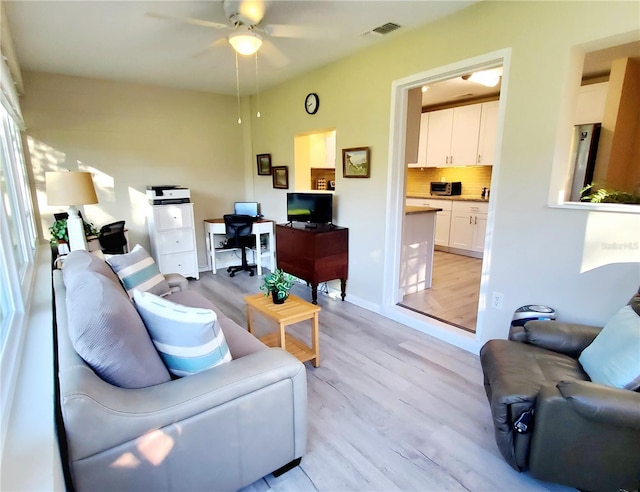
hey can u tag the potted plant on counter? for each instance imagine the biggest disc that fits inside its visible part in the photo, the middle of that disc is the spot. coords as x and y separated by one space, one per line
277 284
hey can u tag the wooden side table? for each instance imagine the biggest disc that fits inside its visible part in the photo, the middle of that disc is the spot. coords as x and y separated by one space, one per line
293 310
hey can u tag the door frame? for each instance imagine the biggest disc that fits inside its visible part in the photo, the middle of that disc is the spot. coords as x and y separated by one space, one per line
396 191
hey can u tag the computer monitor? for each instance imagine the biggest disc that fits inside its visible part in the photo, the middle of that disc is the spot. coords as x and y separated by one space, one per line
246 208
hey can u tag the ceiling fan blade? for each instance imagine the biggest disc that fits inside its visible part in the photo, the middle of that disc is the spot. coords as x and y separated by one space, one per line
189 20
299 31
273 55
214 44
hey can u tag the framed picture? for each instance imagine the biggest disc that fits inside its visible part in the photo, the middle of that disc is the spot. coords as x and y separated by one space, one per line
264 164
281 177
355 163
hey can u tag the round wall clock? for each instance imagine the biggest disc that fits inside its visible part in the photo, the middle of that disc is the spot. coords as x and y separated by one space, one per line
312 103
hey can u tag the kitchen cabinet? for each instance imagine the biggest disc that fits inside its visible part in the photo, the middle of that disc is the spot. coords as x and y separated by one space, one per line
488 133
443 218
173 239
452 139
468 226
422 142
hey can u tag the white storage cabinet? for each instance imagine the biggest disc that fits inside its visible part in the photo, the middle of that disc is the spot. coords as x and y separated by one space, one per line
468 226
443 218
173 239
488 133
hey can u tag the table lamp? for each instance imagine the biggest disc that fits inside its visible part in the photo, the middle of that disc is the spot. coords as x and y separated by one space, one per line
72 188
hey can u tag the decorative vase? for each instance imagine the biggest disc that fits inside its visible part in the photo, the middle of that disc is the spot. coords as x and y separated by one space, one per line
276 299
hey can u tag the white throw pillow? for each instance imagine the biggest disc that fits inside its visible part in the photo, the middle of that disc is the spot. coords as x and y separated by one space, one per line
188 339
613 358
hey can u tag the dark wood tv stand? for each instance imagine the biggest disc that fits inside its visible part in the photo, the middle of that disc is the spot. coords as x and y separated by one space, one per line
315 254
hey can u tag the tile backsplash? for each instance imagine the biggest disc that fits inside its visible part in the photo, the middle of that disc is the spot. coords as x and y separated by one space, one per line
473 178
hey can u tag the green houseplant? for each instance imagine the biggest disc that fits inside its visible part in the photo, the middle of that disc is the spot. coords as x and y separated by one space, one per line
59 234
277 284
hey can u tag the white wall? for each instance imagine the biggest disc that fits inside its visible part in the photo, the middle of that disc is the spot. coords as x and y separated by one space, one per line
538 253
131 136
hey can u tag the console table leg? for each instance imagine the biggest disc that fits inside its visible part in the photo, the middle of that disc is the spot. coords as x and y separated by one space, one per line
343 288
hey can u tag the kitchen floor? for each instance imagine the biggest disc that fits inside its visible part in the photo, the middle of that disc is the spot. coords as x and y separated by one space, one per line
453 297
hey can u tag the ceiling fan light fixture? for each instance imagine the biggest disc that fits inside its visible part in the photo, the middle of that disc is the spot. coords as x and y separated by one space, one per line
488 78
245 42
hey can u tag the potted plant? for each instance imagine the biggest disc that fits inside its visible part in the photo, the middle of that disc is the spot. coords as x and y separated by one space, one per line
59 235
278 284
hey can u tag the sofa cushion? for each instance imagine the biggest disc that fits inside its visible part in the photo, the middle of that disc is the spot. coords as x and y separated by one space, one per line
108 334
613 358
82 261
188 339
138 270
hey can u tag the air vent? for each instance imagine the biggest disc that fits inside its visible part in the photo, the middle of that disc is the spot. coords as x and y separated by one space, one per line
383 29
386 28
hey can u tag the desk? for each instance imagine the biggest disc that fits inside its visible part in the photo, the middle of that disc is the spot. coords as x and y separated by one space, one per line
214 227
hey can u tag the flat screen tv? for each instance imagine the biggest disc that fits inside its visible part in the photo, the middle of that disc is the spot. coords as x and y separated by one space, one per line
314 208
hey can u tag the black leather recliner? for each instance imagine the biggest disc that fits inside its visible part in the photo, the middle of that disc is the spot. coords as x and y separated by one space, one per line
549 417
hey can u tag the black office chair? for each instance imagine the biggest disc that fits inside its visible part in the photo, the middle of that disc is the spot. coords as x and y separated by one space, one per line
238 230
112 238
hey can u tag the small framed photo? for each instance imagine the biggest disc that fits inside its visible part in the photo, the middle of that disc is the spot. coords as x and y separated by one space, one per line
281 177
264 164
355 163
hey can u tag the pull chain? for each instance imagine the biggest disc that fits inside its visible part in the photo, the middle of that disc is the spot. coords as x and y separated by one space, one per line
238 88
257 88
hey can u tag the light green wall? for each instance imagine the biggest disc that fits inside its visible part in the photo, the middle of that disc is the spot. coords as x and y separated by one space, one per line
131 136
538 252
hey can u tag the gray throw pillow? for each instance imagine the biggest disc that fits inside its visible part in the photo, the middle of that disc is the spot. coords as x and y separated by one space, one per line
107 332
83 261
138 270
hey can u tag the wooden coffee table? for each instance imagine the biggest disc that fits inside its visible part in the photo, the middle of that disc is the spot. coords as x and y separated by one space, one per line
293 310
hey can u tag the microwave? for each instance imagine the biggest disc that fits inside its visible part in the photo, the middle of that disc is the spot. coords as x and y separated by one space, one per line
446 188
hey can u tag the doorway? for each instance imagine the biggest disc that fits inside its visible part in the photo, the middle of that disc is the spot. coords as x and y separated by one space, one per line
436 325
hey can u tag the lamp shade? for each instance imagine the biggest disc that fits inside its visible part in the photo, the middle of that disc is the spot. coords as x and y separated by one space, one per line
70 188
245 42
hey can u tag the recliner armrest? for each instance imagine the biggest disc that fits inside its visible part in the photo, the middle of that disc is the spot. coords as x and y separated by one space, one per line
604 404
566 338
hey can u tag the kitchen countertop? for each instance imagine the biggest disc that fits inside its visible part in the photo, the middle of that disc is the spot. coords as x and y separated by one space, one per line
457 198
411 209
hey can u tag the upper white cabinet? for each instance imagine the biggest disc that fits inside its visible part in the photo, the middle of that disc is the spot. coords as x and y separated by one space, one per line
453 136
488 133
422 142
590 103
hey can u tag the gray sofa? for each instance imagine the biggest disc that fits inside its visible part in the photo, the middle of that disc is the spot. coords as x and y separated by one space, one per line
220 429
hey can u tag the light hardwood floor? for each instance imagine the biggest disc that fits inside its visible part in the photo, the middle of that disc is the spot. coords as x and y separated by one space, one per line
453 297
389 408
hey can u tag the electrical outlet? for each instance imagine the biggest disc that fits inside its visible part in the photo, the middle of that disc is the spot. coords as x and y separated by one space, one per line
497 299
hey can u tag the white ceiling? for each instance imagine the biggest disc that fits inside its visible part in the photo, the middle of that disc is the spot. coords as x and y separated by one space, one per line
118 40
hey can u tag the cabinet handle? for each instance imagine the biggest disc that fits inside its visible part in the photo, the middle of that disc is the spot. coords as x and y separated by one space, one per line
446 161
451 161
476 221
479 158
469 219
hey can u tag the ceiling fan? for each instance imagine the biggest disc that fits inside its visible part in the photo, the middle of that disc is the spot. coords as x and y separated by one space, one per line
243 19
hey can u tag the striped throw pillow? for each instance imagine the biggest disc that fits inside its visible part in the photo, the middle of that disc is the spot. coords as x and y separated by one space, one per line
137 270
188 339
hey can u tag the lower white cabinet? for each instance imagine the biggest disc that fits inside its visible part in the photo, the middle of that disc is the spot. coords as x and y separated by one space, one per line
443 218
173 239
468 226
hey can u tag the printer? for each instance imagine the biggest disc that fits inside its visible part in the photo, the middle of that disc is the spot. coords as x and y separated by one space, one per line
168 194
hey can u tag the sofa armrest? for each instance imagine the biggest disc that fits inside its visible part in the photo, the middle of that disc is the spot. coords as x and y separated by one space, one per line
94 405
176 281
566 338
